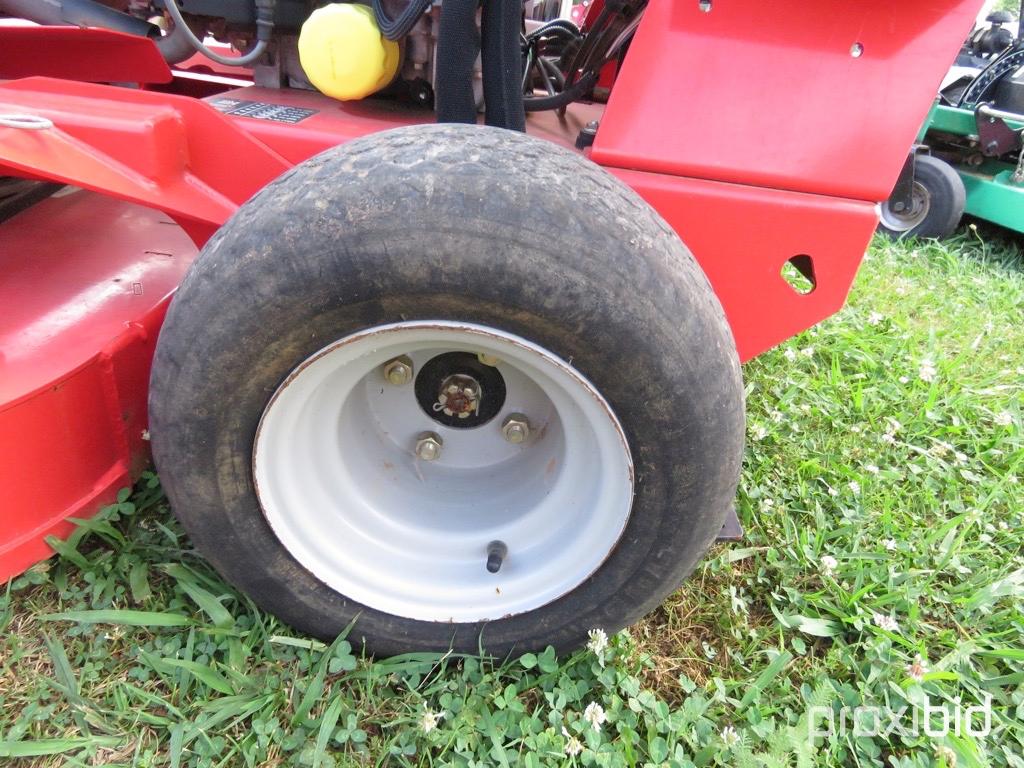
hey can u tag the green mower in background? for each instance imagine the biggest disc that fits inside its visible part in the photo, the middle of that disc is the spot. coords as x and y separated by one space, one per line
969 156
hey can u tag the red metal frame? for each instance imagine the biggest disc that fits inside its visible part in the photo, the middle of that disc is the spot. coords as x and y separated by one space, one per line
89 55
85 282
751 129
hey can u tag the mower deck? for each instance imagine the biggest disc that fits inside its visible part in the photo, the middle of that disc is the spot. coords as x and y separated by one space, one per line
86 283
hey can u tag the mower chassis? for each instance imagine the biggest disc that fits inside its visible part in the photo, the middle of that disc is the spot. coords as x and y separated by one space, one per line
87 275
992 192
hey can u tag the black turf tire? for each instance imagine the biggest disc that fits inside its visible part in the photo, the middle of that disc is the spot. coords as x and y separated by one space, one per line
946 197
461 223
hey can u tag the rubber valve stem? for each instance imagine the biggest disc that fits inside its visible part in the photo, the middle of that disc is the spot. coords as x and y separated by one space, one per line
496 554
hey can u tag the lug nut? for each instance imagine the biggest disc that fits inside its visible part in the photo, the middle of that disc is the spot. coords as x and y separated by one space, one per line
516 428
428 446
398 371
459 396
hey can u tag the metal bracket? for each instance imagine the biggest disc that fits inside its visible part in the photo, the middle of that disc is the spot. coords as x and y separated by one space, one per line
587 135
732 530
902 195
994 135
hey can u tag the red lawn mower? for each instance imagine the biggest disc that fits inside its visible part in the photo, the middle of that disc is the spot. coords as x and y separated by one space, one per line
467 385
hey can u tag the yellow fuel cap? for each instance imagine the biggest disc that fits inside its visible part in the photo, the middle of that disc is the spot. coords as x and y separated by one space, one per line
343 52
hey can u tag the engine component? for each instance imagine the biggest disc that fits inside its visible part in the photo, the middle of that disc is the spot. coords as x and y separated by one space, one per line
288 14
419 68
343 52
545 51
264 30
1009 93
982 86
567 63
992 40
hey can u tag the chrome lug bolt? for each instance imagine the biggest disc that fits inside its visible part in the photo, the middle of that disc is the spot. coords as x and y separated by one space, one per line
398 371
428 446
516 428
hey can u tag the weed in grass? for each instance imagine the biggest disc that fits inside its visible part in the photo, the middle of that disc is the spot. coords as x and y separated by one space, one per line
882 570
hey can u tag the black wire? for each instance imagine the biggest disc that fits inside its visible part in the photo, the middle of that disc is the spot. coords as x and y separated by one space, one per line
572 93
395 29
561 24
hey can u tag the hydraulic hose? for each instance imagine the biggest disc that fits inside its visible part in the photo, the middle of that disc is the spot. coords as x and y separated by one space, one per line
502 64
79 13
458 44
497 41
574 92
560 24
394 29
264 27
175 46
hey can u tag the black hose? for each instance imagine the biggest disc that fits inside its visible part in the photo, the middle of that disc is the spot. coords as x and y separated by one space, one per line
503 64
553 72
79 13
497 41
395 29
555 24
458 43
175 46
574 92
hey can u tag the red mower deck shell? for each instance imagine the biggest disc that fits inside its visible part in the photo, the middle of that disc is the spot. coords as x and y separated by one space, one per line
760 131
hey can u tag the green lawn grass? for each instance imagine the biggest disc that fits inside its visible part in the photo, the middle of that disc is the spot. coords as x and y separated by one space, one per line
882 567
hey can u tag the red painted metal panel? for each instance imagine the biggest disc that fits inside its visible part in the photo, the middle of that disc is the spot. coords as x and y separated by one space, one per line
200 64
86 281
169 152
334 122
768 93
742 236
71 53
59 457
764 227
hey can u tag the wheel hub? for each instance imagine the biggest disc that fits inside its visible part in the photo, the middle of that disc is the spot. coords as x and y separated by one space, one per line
910 216
459 396
457 390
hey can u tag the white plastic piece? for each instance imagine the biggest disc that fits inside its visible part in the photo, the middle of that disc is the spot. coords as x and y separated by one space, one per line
26 122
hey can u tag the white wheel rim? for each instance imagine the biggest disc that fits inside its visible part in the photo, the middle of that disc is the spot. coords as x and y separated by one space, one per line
340 483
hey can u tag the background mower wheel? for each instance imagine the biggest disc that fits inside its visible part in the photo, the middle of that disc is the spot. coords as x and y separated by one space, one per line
937 203
394 389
